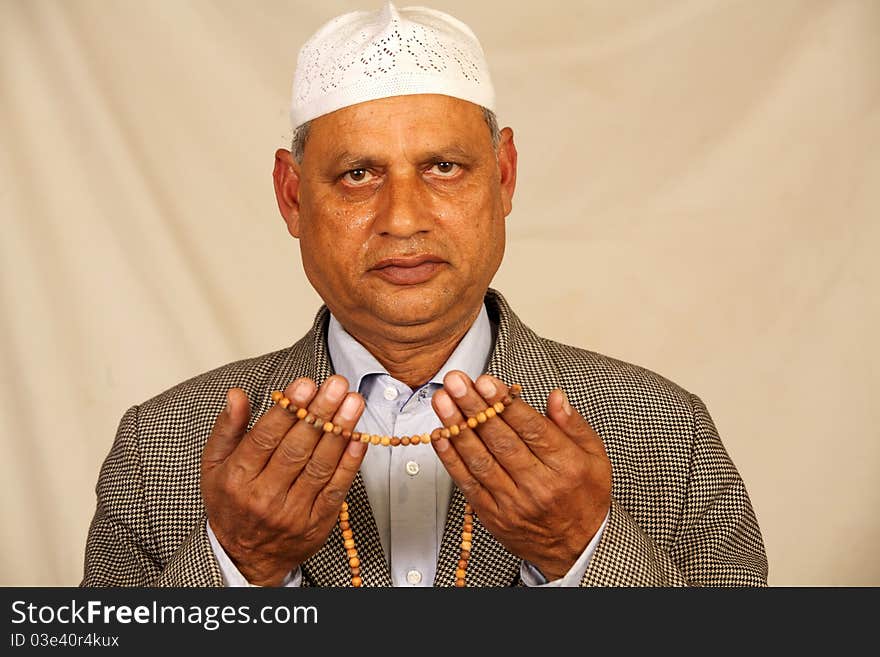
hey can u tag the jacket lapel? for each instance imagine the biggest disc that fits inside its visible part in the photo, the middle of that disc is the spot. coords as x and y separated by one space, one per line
329 566
518 356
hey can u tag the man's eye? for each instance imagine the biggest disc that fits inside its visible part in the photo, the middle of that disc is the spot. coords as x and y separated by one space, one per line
357 177
446 169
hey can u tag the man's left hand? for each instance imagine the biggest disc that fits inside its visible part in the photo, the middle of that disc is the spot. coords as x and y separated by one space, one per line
541 485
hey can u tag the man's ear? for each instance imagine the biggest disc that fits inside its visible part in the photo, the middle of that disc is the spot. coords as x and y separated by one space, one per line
286 177
507 166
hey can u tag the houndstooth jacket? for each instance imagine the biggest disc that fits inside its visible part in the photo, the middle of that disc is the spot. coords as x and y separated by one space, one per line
680 514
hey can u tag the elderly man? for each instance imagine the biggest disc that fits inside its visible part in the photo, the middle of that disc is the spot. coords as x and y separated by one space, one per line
400 452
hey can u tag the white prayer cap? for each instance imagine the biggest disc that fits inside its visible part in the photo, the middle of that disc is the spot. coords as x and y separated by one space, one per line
366 55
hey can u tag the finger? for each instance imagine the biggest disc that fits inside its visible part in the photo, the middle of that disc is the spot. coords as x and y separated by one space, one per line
476 457
474 491
573 423
330 498
478 401
324 459
540 434
258 444
308 414
228 429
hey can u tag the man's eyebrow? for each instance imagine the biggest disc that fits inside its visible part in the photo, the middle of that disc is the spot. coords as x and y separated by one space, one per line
348 160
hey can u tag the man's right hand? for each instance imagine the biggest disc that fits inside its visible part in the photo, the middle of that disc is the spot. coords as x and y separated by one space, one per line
273 494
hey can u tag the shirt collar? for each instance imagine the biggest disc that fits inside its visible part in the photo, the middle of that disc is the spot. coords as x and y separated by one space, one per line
352 360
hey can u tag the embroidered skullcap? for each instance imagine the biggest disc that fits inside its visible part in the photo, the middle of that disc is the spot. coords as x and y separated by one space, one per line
365 55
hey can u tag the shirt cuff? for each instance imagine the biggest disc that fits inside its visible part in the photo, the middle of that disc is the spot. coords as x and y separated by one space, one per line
531 576
232 577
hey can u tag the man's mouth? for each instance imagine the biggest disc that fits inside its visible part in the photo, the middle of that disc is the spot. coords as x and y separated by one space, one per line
410 270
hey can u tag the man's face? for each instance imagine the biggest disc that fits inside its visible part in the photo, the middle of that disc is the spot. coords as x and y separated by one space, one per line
399 205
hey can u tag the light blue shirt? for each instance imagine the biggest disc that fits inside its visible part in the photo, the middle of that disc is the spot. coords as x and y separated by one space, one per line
408 488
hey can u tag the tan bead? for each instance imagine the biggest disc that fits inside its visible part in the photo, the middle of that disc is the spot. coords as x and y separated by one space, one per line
459 583
464 556
277 395
357 582
515 389
467 527
405 440
481 417
499 407
466 546
349 543
435 434
347 533
468 518
365 437
344 526
344 506
454 430
318 423
375 439
395 441
507 401
301 413
346 433
355 571
490 412
284 402
354 562
310 419
328 427
386 440
472 422
415 440
467 536
351 552
337 429
445 433
462 563
343 515
468 509
463 426
426 438
460 573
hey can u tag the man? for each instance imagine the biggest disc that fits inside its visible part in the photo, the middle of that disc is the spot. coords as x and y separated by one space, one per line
398 453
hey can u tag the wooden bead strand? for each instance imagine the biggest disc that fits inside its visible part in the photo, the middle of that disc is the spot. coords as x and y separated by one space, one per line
394 441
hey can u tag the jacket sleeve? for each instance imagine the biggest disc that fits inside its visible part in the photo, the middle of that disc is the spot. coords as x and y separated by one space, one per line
717 541
120 548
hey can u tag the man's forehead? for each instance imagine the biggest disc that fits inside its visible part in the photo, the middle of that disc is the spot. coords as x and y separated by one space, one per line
419 121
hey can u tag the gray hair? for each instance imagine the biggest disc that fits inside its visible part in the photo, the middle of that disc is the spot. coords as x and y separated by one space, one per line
301 134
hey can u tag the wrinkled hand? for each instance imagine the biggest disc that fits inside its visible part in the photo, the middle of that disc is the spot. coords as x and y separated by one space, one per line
273 494
541 485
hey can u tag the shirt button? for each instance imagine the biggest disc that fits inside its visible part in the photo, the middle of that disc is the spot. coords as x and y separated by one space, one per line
390 393
412 469
414 577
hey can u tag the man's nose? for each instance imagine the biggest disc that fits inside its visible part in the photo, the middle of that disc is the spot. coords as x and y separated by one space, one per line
404 209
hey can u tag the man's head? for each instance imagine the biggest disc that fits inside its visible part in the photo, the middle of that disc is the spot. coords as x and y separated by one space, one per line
402 184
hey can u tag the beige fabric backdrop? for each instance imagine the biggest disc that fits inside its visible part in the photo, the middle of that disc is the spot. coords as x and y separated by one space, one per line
699 193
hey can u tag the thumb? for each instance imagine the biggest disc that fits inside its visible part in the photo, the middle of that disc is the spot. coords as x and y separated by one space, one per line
567 418
228 429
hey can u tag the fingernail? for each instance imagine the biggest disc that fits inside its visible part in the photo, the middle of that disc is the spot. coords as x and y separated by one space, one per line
302 391
486 387
350 406
356 448
566 407
336 388
441 444
456 385
444 404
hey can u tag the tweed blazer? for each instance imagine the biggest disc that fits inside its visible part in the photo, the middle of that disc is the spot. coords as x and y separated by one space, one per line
680 514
